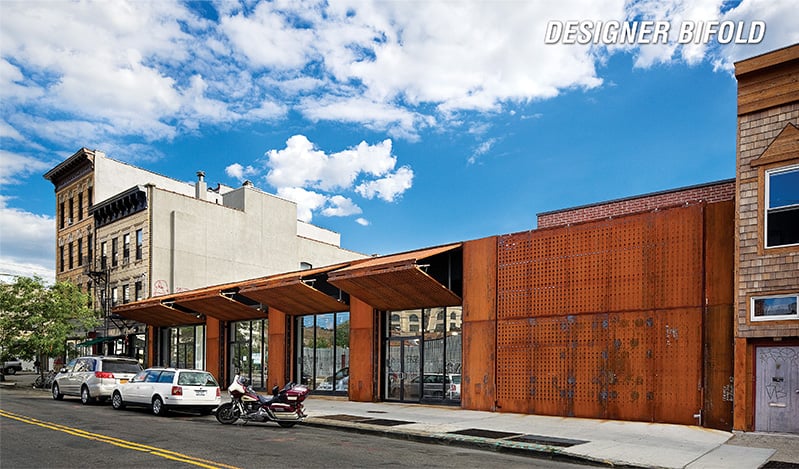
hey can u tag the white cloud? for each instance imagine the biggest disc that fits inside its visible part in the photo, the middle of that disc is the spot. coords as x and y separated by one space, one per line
16 166
8 131
313 178
362 221
28 242
307 201
481 150
389 187
340 206
240 172
153 70
302 164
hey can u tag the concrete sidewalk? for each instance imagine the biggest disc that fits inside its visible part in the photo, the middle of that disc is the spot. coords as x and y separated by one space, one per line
608 442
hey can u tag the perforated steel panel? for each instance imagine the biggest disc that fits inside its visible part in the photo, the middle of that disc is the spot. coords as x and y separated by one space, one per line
513 364
603 319
646 261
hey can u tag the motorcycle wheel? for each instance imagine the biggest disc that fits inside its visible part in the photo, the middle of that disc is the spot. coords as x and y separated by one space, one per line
227 413
287 424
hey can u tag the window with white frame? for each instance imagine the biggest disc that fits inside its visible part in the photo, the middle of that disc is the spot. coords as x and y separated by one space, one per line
774 308
782 207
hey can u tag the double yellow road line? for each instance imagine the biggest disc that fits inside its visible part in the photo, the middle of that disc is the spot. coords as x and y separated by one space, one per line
159 452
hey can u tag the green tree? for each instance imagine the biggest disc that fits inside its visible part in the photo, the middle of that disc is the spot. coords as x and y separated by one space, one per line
343 334
36 319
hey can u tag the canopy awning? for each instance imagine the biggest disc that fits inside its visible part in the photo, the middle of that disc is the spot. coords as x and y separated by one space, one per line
159 312
221 305
298 292
397 281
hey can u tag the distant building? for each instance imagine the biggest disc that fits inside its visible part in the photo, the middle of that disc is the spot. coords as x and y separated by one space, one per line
125 234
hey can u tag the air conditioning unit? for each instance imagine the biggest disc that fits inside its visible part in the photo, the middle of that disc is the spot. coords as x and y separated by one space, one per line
125 260
69 221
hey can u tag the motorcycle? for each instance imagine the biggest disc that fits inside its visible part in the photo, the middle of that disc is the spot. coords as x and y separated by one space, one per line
284 406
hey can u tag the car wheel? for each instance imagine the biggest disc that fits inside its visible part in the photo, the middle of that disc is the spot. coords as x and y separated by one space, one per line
85 397
117 402
11 371
57 392
158 406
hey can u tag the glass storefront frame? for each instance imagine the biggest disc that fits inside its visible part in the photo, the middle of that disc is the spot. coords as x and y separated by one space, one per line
422 355
322 352
183 347
248 348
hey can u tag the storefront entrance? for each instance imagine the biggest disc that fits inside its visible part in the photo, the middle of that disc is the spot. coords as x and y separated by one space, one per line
423 355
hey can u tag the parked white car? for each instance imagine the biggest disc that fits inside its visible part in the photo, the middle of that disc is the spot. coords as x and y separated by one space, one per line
93 377
162 389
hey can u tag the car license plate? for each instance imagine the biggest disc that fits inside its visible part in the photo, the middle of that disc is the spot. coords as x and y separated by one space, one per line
123 381
199 392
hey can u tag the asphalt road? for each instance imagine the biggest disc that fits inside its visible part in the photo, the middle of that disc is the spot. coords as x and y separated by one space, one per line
37 432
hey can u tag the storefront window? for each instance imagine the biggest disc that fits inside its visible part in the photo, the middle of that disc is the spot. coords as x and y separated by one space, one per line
323 354
249 350
423 365
183 347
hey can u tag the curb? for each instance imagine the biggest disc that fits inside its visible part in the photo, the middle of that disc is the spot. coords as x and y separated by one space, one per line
449 439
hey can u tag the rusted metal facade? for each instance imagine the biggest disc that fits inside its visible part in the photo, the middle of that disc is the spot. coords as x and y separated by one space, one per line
604 319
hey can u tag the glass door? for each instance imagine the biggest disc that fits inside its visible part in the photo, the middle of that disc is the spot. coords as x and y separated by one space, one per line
403 369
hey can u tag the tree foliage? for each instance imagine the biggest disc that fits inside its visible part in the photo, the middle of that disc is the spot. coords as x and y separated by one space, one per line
36 319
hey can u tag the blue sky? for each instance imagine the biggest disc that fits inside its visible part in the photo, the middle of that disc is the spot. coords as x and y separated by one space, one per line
398 124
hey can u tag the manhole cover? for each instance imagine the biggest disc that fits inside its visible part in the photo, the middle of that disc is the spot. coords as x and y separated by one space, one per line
385 422
484 433
547 440
780 465
345 417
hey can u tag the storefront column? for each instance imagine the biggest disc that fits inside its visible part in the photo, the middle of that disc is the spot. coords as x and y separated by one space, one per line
213 349
478 388
363 352
742 400
277 373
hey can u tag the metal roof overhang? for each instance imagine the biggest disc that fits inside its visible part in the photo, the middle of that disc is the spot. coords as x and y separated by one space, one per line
396 282
158 312
220 305
294 293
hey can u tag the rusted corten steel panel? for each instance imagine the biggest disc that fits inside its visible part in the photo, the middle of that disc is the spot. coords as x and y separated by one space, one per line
479 324
221 307
478 391
363 358
603 319
644 261
295 297
514 361
398 287
480 277
719 324
154 313
278 350
626 366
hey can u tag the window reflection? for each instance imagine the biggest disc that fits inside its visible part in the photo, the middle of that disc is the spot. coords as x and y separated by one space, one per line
423 354
323 360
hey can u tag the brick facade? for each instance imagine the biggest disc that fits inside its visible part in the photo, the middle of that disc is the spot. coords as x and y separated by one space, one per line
712 192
